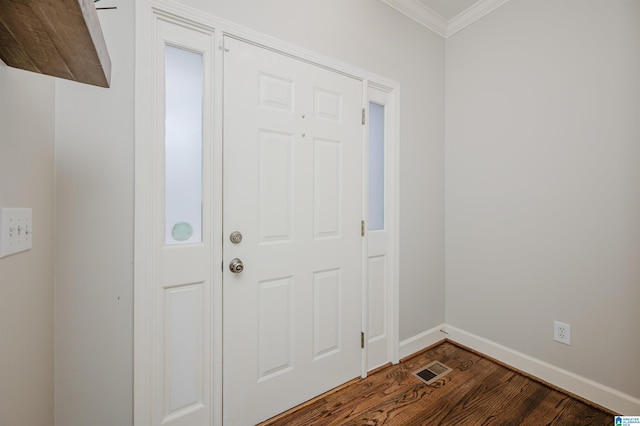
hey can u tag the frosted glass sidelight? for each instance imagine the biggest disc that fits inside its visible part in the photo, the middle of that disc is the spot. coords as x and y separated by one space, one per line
376 167
183 146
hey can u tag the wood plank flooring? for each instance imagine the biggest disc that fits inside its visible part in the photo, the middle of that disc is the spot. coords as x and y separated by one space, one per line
479 391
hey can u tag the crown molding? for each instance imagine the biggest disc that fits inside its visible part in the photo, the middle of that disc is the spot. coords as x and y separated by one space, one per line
430 19
420 13
472 14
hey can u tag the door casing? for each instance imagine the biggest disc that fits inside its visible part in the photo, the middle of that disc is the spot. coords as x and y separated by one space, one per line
147 15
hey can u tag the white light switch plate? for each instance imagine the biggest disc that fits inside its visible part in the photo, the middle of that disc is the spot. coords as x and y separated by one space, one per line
15 231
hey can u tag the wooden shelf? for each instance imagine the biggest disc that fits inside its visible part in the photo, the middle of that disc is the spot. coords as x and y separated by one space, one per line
61 38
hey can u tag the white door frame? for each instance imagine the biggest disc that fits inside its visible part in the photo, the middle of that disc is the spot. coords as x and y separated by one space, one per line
389 99
144 263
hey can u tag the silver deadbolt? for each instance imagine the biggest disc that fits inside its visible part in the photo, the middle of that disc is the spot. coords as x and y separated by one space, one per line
235 237
236 266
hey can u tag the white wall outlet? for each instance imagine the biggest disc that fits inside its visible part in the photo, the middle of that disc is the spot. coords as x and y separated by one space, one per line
15 231
562 332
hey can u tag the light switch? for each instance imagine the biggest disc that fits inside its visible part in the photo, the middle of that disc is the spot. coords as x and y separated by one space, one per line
15 231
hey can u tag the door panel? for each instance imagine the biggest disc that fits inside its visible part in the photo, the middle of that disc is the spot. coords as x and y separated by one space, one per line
327 287
377 272
327 188
276 185
275 327
183 313
293 188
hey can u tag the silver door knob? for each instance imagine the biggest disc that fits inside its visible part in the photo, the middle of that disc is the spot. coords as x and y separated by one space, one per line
236 266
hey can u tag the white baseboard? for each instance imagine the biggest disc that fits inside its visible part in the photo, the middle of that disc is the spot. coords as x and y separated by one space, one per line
588 389
420 341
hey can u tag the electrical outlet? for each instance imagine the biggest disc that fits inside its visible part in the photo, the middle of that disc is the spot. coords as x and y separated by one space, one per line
15 231
562 332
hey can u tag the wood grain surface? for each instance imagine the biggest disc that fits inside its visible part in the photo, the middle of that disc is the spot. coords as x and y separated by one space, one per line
479 391
61 38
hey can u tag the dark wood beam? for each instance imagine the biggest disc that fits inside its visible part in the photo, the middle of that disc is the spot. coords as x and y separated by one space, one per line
61 38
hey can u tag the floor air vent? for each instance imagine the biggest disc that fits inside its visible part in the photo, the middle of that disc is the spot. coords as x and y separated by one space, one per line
432 372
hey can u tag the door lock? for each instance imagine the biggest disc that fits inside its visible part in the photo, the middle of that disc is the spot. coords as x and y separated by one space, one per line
235 237
236 266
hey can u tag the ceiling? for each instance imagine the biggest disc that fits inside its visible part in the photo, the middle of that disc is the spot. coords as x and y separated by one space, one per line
445 17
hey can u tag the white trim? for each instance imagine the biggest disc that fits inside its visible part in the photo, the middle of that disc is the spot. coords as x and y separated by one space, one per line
217 161
364 288
578 385
394 205
430 19
421 341
472 14
420 13
143 247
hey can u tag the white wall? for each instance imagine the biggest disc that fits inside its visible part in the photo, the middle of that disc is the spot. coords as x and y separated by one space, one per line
94 238
543 183
543 206
372 36
26 279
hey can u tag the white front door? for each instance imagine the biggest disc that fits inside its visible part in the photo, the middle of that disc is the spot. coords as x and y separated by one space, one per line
293 188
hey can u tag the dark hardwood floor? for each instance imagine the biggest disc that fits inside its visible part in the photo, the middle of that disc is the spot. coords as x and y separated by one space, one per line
478 391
